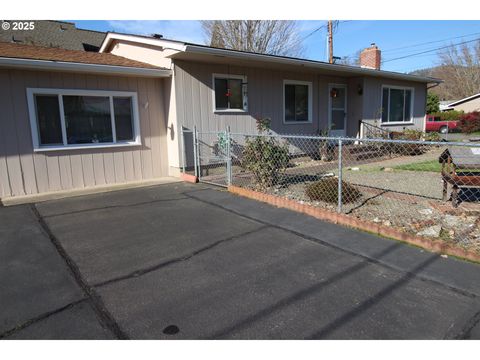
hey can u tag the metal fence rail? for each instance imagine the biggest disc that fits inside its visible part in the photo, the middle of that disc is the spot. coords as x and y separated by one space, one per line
425 188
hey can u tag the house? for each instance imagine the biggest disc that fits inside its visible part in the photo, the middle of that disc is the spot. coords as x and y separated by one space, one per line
74 119
468 104
57 34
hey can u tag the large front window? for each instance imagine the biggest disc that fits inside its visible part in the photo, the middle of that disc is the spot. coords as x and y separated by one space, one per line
81 118
229 93
397 105
297 102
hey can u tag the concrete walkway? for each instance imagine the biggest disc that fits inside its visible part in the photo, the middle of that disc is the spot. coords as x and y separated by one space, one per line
182 261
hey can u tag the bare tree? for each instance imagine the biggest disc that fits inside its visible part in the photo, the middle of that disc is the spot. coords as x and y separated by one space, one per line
352 60
276 37
460 68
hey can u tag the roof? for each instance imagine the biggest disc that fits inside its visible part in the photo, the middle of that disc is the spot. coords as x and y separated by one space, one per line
186 50
461 101
59 34
61 59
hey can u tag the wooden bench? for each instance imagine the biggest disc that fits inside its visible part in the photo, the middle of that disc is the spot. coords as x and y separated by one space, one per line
461 169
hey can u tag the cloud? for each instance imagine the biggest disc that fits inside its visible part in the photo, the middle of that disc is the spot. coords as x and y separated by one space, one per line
184 30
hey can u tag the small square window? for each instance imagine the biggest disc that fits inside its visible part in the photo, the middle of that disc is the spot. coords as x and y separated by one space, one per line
229 93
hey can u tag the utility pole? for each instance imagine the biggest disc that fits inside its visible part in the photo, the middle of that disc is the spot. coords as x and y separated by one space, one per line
330 42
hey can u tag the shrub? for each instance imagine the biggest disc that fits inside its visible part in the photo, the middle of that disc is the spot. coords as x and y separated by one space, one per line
433 103
327 190
264 156
407 149
432 136
470 122
451 115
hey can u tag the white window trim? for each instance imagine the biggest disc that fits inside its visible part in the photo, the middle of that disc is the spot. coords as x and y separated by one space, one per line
244 93
37 147
409 122
310 99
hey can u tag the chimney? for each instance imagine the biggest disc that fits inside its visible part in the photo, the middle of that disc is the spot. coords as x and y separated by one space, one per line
371 57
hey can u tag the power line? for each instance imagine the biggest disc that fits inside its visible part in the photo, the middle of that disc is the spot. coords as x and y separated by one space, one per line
431 50
429 42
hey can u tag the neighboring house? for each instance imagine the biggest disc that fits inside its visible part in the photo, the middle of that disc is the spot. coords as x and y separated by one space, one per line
58 34
445 105
468 104
74 119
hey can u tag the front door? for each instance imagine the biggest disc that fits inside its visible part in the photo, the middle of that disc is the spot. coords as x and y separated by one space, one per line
337 113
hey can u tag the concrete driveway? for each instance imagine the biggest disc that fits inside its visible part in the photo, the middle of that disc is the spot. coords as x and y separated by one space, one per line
182 261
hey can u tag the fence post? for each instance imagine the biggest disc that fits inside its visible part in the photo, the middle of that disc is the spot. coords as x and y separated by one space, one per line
195 150
182 149
339 208
229 157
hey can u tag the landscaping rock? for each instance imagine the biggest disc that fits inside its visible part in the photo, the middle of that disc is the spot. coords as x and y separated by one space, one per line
426 211
451 220
387 223
432 231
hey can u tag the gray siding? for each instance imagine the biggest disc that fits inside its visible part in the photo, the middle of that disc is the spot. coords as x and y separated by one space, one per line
265 98
372 102
24 172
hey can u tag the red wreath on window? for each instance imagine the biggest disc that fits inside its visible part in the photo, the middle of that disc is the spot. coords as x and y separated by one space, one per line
334 93
228 93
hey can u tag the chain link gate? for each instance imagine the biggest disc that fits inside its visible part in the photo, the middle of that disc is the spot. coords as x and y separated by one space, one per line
210 156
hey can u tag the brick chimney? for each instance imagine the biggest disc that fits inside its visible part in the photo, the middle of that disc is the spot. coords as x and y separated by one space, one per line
371 57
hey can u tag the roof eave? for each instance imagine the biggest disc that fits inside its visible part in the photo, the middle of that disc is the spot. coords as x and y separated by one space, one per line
83 67
111 36
461 101
308 63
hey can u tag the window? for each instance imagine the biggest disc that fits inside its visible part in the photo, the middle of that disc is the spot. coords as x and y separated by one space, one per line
297 100
81 118
397 104
229 93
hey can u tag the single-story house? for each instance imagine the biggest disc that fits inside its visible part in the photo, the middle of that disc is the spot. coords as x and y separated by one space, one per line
468 104
73 119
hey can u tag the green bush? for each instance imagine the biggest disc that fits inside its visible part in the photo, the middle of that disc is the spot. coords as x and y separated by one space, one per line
264 156
327 190
452 115
433 103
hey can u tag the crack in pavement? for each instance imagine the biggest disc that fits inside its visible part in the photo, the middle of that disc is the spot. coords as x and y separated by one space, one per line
114 207
40 318
325 243
465 333
106 319
141 272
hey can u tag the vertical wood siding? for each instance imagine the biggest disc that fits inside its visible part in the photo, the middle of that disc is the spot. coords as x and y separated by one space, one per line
265 98
24 172
372 102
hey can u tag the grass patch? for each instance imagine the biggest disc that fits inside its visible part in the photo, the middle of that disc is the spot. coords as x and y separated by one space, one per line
429 165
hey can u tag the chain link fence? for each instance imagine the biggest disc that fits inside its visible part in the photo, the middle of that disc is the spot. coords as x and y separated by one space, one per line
425 188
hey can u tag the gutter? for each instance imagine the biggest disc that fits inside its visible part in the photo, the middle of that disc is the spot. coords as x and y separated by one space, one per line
82 67
306 63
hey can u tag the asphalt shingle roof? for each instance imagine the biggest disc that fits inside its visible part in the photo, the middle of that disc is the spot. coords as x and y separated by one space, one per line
19 51
57 34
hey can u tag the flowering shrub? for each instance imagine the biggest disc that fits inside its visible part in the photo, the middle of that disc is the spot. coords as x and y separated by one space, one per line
470 122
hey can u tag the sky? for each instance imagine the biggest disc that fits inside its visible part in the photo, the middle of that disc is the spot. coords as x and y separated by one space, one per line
396 38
